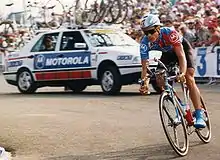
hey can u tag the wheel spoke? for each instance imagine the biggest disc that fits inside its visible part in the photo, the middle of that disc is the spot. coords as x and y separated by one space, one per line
107 80
25 81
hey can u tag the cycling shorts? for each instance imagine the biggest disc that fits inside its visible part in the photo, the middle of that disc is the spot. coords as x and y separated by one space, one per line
170 57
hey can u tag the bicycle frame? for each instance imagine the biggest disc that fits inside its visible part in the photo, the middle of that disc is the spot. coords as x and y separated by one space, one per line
184 106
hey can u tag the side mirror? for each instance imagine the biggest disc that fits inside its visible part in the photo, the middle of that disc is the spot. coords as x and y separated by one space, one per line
80 45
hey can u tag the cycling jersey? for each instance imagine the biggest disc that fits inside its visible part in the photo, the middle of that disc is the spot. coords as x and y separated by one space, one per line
168 38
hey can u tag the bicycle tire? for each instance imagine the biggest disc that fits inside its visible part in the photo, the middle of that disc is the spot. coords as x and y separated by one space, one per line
116 7
182 151
8 27
55 24
123 13
87 15
205 137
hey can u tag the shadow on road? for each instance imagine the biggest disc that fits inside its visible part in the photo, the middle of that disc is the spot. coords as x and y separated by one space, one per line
149 152
153 152
72 94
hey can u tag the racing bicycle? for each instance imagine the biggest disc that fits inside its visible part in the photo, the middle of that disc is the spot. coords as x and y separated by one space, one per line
176 114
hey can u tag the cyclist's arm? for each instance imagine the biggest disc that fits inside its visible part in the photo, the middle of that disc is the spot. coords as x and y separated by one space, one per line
178 49
144 53
175 40
145 64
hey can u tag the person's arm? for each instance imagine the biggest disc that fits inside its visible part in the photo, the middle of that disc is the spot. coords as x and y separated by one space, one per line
176 42
145 64
144 53
181 58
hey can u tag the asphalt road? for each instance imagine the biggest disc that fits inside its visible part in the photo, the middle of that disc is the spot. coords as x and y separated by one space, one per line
56 125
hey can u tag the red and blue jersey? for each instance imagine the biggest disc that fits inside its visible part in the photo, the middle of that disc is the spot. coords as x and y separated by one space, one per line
168 39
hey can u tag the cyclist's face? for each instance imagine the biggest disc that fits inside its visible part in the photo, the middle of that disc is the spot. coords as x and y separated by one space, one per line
151 33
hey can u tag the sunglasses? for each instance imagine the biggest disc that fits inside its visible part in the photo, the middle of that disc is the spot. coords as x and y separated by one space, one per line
149 32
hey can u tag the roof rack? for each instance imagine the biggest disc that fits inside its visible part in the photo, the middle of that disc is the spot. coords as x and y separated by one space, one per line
105 26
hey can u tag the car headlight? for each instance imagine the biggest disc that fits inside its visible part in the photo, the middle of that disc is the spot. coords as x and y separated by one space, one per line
136 60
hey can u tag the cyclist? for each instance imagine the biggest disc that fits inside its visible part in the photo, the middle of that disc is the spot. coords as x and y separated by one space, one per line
174 49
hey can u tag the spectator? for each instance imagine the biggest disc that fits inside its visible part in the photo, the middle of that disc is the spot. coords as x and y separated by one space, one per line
213 41
191 25
187 34
177 26
208 17
218 22
202 33
215 35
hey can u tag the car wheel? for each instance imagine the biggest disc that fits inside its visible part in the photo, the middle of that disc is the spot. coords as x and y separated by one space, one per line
77 88
26 82
110 81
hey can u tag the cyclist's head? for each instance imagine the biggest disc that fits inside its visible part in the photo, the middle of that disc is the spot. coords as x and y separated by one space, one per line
150 25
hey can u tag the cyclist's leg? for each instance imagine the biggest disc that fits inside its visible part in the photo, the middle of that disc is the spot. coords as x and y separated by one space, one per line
168 58
191 84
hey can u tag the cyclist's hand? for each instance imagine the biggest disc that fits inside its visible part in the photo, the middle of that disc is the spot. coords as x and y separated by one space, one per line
181 78
144 89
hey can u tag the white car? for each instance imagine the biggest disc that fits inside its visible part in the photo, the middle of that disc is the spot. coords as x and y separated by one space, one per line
78 58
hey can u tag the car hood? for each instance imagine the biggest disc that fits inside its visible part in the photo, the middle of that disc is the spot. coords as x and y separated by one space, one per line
131 50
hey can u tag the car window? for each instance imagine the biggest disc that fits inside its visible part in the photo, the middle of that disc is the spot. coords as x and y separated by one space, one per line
69 39
46 43
106 38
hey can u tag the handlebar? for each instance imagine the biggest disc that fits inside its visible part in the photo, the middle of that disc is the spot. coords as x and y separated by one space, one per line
159 62
165 69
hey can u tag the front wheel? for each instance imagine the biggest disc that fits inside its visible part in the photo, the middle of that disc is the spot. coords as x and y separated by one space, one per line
110 81
173 124
25 82
205 133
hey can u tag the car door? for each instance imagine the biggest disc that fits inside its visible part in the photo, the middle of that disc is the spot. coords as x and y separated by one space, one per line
74 56
44 51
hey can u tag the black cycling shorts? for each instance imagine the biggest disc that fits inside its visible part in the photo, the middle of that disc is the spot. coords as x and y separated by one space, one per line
170 57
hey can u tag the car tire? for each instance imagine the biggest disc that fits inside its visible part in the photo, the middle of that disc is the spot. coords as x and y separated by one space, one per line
110 81
25 82
77 88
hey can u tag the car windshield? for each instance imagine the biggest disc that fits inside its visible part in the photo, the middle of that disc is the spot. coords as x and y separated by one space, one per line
106 38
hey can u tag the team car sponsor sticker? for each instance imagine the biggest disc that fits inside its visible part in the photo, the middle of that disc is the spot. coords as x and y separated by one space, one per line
15 63
68 60
124 57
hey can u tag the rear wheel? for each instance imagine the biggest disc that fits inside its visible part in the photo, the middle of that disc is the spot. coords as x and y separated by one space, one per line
205 133
173 124
25 82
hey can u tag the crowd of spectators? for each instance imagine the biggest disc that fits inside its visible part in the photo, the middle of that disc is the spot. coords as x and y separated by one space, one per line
197 20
